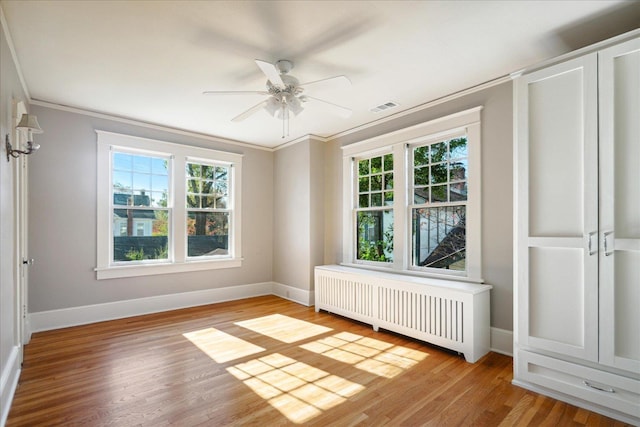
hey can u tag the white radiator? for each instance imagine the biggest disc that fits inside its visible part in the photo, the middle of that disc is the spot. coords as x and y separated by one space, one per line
450 314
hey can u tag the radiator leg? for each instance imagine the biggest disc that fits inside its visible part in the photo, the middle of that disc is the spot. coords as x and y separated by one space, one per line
376 328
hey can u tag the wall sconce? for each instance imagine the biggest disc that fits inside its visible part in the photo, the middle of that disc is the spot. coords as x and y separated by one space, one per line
30 123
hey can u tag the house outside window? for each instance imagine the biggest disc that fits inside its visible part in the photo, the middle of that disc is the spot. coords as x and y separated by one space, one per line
142 230
412 199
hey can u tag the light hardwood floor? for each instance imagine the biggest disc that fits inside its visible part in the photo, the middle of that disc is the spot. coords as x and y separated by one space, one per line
268 362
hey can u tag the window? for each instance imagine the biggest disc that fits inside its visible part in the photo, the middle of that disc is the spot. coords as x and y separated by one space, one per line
374 216
153 219
439 190
207 209
412 199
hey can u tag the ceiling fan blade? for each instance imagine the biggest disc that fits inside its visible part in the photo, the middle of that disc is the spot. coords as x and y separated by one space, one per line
259 106
339 82
235 92
341 111
271 72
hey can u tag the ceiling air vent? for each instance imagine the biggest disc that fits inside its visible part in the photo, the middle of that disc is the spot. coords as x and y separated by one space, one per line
385 106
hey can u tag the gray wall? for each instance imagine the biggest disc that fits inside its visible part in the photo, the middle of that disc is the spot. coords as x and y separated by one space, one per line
63 218
497 181
299 213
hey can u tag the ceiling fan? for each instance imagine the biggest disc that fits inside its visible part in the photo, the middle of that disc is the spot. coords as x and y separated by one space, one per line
285 93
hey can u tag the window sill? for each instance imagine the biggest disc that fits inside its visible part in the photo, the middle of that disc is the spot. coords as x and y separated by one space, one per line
117 272
414 273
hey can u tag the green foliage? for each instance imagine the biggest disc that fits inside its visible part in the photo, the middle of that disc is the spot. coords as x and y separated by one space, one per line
377 250
133 255
162 253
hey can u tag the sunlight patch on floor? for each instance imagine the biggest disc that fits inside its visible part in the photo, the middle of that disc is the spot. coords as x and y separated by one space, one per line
368 354
299 391
283 328
221 346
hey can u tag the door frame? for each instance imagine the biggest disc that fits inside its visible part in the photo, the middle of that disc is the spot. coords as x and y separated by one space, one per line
20 197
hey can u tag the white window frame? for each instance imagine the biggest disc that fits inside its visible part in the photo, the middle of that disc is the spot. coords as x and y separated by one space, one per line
177 260
399 143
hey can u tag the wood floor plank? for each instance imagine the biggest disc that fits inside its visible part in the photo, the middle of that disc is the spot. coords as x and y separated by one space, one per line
158 370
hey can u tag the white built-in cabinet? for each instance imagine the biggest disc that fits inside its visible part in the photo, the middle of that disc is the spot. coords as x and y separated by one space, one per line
577 216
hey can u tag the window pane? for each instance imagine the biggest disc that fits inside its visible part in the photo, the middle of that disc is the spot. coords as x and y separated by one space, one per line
438 152
363 167
222 202
421 156
159 166
458 148
121 161
388 198
122 181
375 236
207 171
421 176
140 234
438 193
363 184
221 189
193 185
208 233
141 198
458 170
376 165
376 183
159 199
388 162
439 237
160 183
388 181
458 192
376 199
142 164
193 170
363 201
439 173
141 181
222 174
421 195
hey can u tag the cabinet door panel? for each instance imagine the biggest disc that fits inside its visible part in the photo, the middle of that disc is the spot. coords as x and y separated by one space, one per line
556 292
619 86
557 208
555 155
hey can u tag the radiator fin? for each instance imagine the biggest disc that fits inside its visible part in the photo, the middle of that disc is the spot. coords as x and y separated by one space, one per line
348 295
440 317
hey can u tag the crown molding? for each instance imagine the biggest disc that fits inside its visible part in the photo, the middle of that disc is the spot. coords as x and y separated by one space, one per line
147 125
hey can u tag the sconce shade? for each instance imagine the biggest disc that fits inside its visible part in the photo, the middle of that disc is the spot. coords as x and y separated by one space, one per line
29 122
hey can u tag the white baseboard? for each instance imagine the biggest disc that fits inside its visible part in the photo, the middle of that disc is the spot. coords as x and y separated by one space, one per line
9 383
294 294
502 341
74 316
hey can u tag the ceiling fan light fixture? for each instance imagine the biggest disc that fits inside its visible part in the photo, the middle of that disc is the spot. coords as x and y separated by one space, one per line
294 105
273 106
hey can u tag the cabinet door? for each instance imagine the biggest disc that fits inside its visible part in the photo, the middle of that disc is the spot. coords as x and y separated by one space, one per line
557 208
619 75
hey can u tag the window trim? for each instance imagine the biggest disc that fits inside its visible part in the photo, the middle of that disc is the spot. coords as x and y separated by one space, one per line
399 143
180 154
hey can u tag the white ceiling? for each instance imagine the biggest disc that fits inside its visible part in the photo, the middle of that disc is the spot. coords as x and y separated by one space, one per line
151 60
